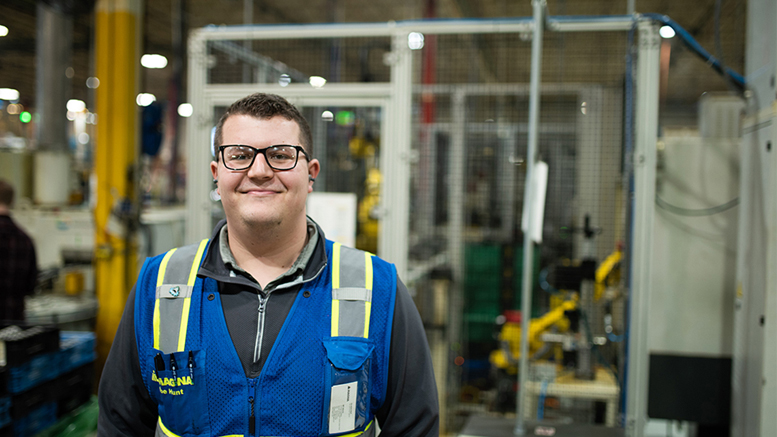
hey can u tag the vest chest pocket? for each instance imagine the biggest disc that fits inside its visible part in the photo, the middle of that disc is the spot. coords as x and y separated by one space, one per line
348 383
181 393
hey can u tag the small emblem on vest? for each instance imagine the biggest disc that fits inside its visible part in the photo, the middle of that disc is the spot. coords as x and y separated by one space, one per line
175 291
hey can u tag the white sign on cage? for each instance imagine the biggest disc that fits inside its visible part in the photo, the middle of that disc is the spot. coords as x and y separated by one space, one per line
336 214
539 187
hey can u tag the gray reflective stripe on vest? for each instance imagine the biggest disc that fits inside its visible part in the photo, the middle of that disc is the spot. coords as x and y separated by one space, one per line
351 292
174 285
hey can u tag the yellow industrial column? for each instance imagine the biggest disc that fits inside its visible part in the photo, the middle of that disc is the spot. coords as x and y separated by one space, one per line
115 214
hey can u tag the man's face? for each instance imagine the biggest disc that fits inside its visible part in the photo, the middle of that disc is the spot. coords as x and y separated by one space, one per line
261 196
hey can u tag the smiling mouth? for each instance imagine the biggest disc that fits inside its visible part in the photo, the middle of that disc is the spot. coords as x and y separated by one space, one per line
258 191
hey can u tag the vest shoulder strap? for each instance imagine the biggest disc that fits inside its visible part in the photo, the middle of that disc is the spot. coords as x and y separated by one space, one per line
174 286
352 284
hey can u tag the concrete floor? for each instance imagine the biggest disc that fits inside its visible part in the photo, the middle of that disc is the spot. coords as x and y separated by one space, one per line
485 426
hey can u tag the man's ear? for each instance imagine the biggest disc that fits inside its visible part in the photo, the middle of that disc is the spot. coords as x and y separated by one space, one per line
314 167
214 170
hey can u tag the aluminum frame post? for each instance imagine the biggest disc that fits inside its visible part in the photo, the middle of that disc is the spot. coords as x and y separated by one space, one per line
457 165
396 157
198 144
644 210
538 7
456 182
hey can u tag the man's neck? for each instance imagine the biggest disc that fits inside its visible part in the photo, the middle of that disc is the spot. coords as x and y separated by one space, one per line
268 253
5 210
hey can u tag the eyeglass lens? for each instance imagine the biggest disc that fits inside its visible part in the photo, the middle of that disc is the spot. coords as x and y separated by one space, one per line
242 157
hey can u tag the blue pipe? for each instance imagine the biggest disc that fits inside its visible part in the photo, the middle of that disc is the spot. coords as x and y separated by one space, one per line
541 400
737 79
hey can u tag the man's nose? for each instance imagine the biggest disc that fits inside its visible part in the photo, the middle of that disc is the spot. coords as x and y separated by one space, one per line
260 168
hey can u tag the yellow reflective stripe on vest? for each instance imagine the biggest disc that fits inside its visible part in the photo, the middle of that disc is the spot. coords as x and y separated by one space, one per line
175 283
196 263
161 427
188 301
352 283
368 286
354 434
163 267
166 432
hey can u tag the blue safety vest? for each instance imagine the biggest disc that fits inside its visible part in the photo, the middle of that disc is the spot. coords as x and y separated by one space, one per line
327 371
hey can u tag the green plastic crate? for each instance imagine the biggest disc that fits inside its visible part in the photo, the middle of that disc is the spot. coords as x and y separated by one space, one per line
483 258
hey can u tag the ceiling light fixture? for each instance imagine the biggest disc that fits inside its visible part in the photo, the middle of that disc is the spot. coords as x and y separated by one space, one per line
415 40
75 105
9 94
317 81
666 32
153 61
145 99
185 110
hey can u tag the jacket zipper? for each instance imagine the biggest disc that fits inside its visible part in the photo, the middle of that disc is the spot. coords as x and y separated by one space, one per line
260 327
251 416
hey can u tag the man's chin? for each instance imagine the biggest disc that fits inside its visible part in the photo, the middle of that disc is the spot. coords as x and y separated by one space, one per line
261 222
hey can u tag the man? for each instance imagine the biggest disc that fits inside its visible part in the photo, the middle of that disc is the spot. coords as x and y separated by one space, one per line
325 339
18 264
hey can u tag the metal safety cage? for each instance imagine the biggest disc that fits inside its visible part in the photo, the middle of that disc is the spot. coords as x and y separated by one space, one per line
460 132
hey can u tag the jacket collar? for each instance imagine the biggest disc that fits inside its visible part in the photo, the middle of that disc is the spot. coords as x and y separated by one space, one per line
215 266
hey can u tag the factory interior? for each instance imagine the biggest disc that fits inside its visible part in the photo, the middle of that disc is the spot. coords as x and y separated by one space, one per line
580 196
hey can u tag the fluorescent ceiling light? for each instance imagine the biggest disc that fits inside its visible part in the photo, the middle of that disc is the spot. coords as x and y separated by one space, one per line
317 81
9 94
153 61
415 40
185 110
145 99
75 105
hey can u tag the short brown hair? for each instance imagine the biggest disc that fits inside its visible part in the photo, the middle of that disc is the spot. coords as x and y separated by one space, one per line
6 193
266 106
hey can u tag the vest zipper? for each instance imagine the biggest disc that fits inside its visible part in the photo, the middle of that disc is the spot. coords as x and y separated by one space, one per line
251 416
260 328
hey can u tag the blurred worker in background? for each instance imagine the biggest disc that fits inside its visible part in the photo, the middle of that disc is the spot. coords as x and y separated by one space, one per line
324 338
18 265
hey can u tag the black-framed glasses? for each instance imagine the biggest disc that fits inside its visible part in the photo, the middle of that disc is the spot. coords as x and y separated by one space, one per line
281 157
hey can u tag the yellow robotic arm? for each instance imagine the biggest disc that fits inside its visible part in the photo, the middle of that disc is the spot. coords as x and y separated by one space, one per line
507 356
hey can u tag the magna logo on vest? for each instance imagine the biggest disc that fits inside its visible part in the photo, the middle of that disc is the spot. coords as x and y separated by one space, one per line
170 382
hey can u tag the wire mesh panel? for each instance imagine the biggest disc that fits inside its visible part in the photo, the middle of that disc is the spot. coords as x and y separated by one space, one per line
287 61
347 144
695 234
471 114
470 128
